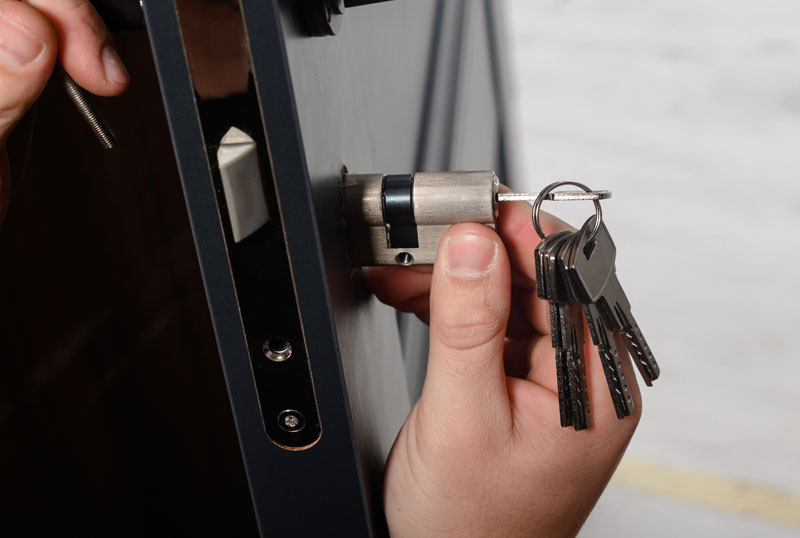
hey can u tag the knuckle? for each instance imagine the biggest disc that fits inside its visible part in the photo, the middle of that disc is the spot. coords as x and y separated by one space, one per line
468 328
12 108
80 15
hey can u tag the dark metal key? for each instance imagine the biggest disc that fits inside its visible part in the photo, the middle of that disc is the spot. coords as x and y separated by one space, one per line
547 288
573 334
566 321
603 338
590 276
591 268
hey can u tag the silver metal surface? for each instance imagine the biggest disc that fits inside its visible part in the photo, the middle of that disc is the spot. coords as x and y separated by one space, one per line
453 197
537 204
439 199
277 349
87 109
565 196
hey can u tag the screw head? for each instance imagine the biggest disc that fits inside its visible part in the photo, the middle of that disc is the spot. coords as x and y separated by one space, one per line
291 420
277 349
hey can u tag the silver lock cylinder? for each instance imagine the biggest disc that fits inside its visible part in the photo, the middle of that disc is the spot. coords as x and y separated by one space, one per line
399 220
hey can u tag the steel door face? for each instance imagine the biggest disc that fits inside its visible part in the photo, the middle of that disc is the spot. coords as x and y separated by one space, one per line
403 87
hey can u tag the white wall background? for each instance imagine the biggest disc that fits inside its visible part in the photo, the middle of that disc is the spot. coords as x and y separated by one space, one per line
689 111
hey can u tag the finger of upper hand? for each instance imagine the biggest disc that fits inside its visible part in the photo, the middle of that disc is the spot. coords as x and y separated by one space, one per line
27 54
85 47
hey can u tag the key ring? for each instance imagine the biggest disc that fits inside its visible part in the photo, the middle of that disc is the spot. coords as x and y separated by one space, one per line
537 204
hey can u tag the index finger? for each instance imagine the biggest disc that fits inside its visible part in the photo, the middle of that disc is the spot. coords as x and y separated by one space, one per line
85 47
515 226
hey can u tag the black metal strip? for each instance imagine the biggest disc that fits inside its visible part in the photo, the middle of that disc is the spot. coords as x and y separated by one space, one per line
397 199
276 476
326 479
264 287
187 138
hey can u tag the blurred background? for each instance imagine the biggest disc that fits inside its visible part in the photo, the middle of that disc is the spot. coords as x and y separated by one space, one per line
690 113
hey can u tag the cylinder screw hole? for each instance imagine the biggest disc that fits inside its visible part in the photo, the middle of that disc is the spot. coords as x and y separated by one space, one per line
404 258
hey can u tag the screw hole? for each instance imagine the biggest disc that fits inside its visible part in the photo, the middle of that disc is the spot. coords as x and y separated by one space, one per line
404 258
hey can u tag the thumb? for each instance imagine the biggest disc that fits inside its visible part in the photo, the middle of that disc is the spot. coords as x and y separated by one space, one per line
27 55
470 298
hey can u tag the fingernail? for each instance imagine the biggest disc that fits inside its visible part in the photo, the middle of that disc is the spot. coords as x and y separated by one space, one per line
115 69
18 46
469 255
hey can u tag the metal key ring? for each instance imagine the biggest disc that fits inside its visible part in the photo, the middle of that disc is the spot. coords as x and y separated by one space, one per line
537 204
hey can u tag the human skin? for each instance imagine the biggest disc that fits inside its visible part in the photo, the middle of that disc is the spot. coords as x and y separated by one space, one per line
33 35
482 452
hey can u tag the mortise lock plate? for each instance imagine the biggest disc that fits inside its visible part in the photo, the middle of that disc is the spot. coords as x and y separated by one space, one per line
399 219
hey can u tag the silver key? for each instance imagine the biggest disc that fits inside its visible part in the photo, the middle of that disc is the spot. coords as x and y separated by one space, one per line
591 267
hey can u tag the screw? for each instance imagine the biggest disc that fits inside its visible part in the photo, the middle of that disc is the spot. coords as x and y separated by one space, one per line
87 109
291 420
277 349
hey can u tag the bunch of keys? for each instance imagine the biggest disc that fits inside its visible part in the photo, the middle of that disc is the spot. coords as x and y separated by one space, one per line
399 220
575 273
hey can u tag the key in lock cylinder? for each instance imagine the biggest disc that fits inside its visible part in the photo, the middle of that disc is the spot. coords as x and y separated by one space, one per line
399 219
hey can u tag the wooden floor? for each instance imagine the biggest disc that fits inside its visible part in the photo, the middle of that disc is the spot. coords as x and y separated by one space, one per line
690 112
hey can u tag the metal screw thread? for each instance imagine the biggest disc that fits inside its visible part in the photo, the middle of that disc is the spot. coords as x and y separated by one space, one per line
87 109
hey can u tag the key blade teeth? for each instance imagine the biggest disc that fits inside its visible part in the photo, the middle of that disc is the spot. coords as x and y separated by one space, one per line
574 291
576 370
564 405
612 365
638 348
636 354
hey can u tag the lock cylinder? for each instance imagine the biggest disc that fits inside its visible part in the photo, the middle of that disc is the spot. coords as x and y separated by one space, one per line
399 219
